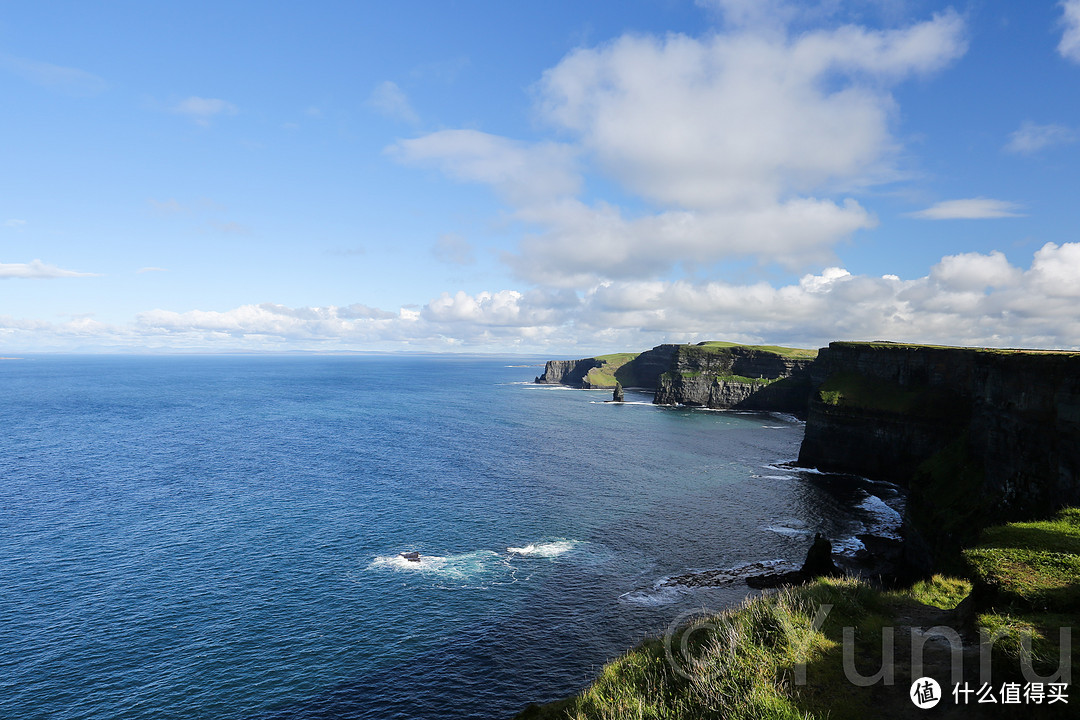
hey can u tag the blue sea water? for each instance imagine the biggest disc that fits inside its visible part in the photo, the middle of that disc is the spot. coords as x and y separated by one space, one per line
219 537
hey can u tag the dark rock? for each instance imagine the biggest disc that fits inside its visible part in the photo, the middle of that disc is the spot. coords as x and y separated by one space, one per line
979 436
411 556
617 395
819 560
819 563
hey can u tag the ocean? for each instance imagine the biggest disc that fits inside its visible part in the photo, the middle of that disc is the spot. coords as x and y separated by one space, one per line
219 537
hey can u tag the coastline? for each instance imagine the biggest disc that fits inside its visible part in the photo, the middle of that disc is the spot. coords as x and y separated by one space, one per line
923 418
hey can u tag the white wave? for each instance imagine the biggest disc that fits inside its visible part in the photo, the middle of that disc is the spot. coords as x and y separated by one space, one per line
847 546
624 402
548 549
653 597
451 566
787 531
881 509
887 519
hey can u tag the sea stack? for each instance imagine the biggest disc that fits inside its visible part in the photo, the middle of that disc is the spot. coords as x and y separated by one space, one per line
617 396
819 560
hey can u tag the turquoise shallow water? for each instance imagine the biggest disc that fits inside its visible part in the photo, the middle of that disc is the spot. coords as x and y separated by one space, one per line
218 537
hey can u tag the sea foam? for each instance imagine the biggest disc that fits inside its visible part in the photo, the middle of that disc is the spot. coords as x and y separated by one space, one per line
452 566
546 549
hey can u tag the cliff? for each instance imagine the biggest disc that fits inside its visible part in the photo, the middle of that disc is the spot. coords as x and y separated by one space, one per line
979 436
724 375
568 372
710 374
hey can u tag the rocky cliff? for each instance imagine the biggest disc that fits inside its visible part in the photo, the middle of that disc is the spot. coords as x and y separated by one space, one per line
719 375
710 374
979 436
567 372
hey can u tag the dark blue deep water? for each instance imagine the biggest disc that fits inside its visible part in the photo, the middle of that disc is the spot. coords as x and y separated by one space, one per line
218 537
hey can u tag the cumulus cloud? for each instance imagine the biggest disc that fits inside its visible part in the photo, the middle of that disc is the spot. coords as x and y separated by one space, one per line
966 299
390 100
67 80
743 118
1069 47
735 144
975 272
978 208
1031 137
202 110
37 270
581 239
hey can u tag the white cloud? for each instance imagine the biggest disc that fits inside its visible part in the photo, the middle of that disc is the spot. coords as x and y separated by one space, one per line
966 299
391 101
37 269
978 208
743 118
1069 47
202 110
1032 137
14 223
525 175
974 272
583 244
738 144
67 80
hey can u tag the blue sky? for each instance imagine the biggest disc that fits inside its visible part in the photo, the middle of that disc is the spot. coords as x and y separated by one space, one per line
558 178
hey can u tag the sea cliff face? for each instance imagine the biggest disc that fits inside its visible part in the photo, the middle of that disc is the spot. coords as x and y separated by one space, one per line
736 377
979 436
714 375
567 372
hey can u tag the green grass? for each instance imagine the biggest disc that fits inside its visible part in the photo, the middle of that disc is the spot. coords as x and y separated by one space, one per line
1031 565
1040 631
604 376
1031 579
884 345
788 352
1027 581
742 664
939 591
746 380
1059 534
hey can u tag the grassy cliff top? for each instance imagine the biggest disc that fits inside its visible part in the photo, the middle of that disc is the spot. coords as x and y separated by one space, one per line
1031 565
744 663
609 372
887 345
604 376
788 352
